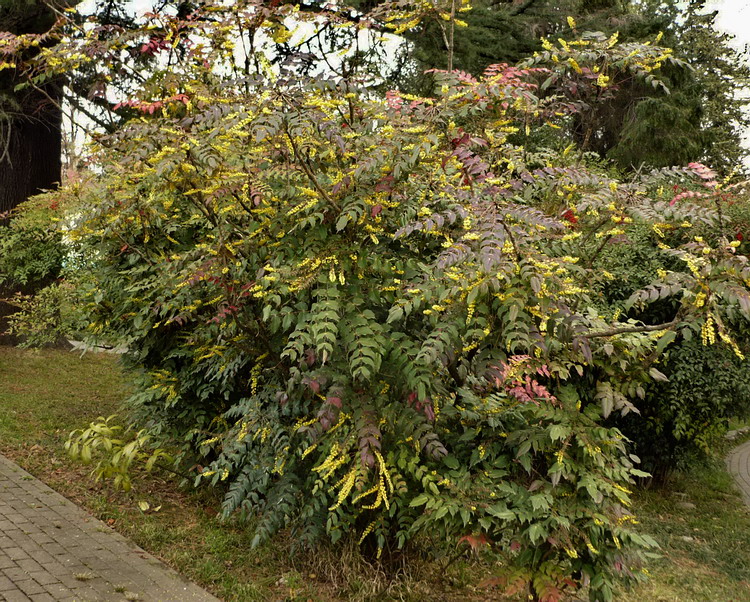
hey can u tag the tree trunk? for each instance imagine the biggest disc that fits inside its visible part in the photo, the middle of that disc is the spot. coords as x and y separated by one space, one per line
32 162
30 118
30 128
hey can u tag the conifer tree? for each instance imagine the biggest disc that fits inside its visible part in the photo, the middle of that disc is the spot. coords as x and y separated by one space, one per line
701 118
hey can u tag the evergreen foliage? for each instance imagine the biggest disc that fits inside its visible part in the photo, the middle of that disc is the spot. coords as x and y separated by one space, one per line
31 254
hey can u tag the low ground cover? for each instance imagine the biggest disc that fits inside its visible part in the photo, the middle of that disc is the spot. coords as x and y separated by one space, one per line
700 521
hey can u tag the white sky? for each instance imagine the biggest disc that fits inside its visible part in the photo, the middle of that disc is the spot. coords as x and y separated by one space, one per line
734 18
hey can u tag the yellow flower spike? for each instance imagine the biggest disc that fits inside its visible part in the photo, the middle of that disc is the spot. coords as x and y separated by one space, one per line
383 470
708 335
574 64
367 531
346 487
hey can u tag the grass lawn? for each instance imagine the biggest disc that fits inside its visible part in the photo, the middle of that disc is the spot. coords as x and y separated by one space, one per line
46 394
706 549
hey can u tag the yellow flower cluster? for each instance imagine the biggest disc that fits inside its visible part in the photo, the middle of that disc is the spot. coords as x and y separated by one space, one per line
708 335
729 341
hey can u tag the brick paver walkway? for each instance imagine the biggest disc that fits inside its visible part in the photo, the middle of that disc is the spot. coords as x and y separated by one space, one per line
738 463
50 549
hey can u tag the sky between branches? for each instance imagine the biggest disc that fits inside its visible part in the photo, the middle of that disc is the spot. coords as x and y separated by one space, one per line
733 17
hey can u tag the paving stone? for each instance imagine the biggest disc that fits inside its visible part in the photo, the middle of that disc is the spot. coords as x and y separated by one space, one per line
41 556
738 464
54 568
44 578
16 553
15 596
57 590
46 540
28 565
15 574
29 587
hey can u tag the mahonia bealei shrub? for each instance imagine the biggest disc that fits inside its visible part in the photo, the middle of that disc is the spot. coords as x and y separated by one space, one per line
376 317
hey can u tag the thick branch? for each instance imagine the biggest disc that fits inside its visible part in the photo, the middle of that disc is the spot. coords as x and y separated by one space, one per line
455 375
508 231
309 173
631 329
599 249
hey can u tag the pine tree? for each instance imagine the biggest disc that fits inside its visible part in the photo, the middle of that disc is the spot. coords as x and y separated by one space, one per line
722 74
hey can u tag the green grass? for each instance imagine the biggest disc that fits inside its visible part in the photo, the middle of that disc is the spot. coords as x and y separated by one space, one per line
706 549
46 394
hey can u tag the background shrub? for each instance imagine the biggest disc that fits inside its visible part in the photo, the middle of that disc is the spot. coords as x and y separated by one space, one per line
31 247
31 257
706 385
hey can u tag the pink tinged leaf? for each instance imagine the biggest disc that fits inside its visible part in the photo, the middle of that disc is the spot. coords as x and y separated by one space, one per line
313 384
475 542
310 358
367 458
385 184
